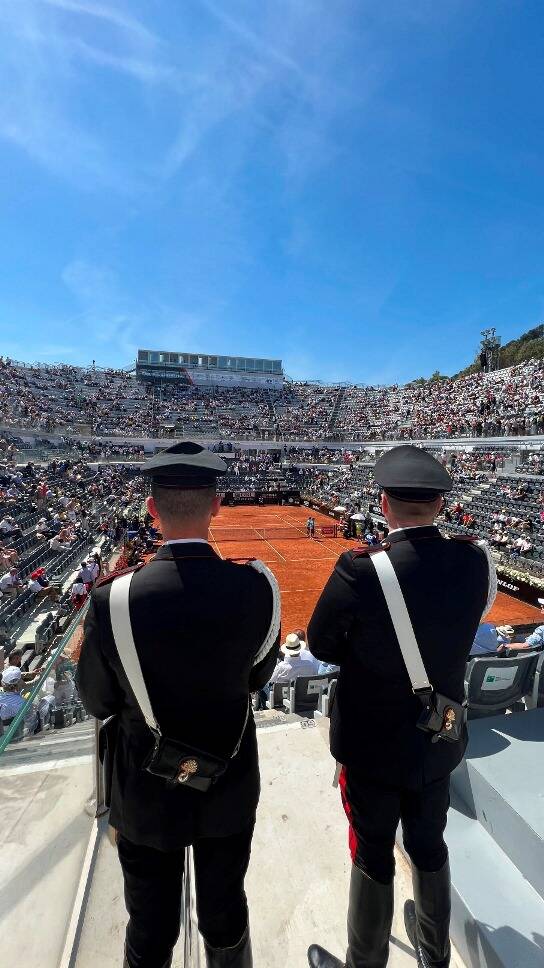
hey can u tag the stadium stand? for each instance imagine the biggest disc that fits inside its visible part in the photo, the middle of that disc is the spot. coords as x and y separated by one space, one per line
506 402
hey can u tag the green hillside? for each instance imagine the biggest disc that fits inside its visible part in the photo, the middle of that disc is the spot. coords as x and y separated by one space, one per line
529 346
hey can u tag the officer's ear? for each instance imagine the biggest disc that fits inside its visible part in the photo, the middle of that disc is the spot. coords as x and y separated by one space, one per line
151 507
216 505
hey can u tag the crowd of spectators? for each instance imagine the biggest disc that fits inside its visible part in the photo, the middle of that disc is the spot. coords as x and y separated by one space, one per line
56 515
508 402
102 403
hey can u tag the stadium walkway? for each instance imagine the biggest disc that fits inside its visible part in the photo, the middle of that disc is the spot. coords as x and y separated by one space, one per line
298 878
297 883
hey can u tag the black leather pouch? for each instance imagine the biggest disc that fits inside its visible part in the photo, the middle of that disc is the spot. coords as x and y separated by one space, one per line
443 717
185 765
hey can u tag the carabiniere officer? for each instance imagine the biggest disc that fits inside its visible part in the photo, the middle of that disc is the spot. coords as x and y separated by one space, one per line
391 769
206 635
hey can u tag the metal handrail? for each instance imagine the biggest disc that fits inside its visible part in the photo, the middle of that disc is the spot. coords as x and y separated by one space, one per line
66 636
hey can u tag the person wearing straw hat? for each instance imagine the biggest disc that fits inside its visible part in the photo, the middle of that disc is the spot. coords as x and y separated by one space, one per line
298 661
399 619
197 635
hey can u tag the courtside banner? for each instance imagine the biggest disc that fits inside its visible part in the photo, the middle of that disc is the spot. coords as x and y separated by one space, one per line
518 588
283 496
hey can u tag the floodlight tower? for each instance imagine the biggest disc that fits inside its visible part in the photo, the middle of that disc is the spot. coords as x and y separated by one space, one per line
489 350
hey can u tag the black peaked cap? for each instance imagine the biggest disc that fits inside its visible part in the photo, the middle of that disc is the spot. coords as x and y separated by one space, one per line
185 465
410 474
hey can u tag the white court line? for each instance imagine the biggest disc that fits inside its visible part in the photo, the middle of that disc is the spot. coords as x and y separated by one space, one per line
275 550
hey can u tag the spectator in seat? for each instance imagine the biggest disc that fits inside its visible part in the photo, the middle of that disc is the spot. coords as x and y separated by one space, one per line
11 584
95 566
78 594
489 638
536 639
8 528
39 585
11 701
14 659
65 687
325 668
520 547
8 556
57 545
85 575
10 697
297 661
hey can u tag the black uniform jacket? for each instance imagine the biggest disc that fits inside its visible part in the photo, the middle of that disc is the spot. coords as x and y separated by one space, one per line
198 623
374 715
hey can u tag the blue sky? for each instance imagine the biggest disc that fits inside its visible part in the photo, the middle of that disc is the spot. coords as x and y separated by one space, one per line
351 185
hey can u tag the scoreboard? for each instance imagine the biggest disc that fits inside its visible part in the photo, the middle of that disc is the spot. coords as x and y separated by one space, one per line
202 369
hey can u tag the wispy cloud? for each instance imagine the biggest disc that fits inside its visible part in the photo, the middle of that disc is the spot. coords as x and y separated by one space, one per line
258 45
267 73
113 16
49 51
116 320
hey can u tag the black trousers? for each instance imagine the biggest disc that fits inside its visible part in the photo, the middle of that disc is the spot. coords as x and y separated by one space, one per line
153 886
374 811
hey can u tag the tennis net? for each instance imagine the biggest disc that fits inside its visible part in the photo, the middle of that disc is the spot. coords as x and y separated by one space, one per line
270 534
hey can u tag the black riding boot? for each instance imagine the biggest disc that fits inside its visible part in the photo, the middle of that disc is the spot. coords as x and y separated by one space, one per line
427 917
167 964
238 956
319 958
370 915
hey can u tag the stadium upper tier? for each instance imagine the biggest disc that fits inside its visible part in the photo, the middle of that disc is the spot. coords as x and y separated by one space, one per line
114 403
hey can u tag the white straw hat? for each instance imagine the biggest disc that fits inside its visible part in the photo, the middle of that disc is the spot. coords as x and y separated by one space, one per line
292 644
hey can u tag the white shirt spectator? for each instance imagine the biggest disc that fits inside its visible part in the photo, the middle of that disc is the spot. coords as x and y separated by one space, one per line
56 545
78 588
8 581
85 574
94 569
294 666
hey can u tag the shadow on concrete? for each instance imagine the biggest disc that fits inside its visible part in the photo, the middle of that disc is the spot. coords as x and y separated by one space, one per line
527 726
516 950
51 854
403 947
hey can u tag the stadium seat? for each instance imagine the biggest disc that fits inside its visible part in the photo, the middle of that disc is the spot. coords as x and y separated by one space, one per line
19 733
278 694
493 685
535 699
305 693
326 700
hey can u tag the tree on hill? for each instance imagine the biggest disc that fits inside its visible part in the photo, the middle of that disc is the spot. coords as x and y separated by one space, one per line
435 378
528 346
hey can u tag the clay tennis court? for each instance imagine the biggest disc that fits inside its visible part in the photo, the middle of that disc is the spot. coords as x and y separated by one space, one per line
302 565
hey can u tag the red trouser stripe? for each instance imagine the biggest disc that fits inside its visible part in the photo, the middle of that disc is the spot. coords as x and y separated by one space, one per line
352 837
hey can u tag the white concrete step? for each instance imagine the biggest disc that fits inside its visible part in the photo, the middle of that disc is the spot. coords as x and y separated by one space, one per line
497 917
